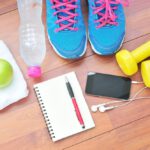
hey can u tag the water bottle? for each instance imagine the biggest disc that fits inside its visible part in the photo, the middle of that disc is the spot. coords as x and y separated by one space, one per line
31 35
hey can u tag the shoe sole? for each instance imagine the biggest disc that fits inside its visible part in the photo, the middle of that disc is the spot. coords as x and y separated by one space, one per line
85 47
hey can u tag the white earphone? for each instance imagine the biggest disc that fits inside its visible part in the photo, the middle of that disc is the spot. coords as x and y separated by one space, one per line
94 108
105 106
101 107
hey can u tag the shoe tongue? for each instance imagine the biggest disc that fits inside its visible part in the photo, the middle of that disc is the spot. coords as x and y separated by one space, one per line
102 11
63 13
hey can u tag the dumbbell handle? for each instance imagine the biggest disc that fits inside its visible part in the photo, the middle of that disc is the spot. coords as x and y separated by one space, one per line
141 52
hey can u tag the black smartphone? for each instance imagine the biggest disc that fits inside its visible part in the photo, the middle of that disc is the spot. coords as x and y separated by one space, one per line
99 84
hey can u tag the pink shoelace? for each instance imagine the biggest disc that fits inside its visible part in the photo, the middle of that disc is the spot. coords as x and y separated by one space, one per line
108 16
66 7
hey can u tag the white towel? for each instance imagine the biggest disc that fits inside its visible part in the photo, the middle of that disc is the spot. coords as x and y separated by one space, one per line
17 90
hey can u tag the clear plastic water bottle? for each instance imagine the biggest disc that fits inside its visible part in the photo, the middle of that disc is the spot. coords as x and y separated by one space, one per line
32 35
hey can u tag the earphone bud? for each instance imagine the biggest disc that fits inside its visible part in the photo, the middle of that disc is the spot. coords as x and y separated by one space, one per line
94 108
103 108
128 61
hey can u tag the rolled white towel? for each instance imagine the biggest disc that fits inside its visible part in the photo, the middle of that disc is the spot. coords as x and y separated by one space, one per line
17 90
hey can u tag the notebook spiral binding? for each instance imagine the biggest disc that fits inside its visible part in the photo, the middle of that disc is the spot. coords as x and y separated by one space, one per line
47 120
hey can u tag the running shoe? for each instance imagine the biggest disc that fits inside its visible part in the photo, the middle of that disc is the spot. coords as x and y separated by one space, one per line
66 28
106 25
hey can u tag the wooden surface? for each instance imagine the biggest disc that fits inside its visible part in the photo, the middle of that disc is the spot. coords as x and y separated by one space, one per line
22 126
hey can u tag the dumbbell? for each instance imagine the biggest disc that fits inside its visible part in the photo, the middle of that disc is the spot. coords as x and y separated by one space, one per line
145 71
128 61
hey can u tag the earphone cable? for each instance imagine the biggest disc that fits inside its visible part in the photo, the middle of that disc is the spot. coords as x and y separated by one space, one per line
131 99
127 102
137 82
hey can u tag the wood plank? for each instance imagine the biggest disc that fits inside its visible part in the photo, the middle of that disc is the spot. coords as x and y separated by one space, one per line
137 18
28 122
7 5
134 136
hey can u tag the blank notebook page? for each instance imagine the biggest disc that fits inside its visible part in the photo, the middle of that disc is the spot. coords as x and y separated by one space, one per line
58 108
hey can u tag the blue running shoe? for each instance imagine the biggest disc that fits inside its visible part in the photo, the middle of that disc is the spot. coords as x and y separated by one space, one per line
66 28
106 25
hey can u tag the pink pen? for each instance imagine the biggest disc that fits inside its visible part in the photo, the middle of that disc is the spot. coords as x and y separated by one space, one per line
78 114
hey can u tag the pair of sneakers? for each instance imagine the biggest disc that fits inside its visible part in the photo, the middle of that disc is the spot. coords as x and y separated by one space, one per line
67 31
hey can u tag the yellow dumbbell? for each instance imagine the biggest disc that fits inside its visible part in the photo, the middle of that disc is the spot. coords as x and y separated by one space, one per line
128 61
145 71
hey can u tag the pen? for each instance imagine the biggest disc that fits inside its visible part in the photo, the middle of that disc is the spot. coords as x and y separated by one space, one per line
78 114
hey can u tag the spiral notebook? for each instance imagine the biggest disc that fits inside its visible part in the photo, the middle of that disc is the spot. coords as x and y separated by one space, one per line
58 109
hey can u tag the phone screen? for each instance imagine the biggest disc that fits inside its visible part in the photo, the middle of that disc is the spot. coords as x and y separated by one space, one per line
99 84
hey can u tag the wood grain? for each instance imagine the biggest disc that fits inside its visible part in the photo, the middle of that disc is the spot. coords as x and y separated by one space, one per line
7 6
22 124
133 136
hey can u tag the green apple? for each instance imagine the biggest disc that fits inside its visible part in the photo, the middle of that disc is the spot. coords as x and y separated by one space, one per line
6 73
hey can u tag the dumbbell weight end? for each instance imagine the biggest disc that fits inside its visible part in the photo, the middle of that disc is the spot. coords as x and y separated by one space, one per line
145 71
128 61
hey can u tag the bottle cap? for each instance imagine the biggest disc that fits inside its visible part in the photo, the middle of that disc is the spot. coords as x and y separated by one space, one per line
34 71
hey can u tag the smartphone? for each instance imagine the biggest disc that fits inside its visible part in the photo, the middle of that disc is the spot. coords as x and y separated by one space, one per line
106 85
